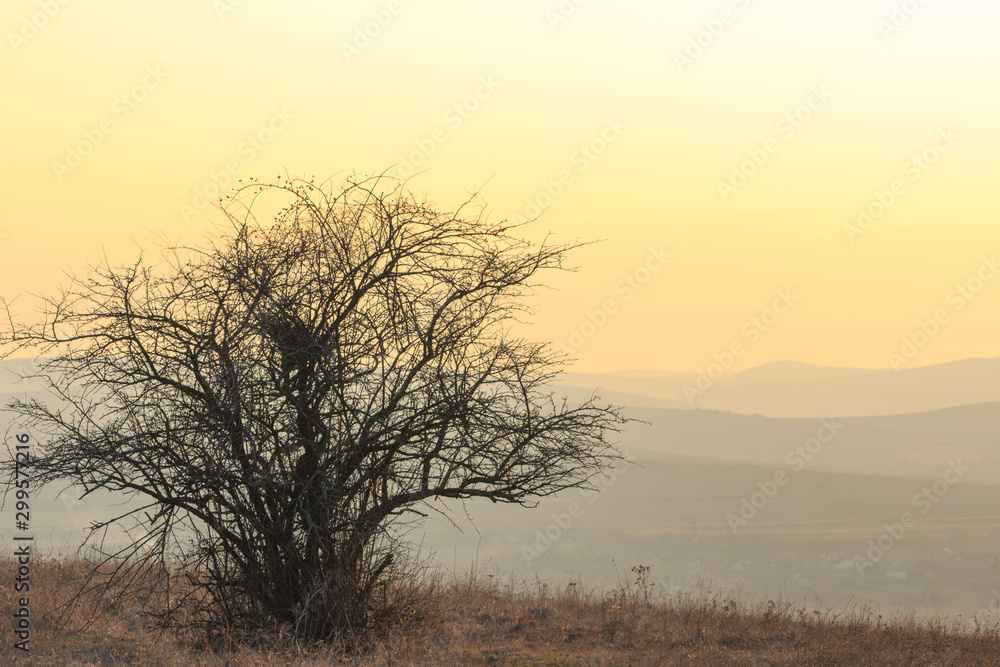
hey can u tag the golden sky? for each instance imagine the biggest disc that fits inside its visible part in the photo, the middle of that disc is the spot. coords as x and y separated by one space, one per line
812 181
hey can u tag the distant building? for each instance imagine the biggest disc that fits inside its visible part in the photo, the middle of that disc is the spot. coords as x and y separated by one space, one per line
896 572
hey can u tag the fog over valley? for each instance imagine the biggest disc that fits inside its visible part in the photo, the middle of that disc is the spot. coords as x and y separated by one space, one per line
759 493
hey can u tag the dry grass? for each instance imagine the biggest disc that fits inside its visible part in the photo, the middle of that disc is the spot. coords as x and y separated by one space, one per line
479 621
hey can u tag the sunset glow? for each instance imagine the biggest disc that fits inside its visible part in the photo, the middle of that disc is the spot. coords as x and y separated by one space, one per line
843 153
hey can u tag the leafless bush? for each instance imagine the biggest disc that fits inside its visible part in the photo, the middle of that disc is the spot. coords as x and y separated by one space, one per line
275 400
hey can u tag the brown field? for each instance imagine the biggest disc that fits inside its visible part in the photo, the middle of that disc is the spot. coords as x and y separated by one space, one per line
480 621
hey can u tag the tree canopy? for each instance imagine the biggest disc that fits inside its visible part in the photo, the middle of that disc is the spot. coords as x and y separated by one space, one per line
277 397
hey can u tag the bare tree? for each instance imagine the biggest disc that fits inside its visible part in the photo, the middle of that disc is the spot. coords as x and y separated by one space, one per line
279 397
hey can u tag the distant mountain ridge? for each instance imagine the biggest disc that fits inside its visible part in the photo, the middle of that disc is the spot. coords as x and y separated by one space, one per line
906 424
913 445
796 389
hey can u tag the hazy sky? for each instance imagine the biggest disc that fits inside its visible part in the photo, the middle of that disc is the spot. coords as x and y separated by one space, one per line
740 138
